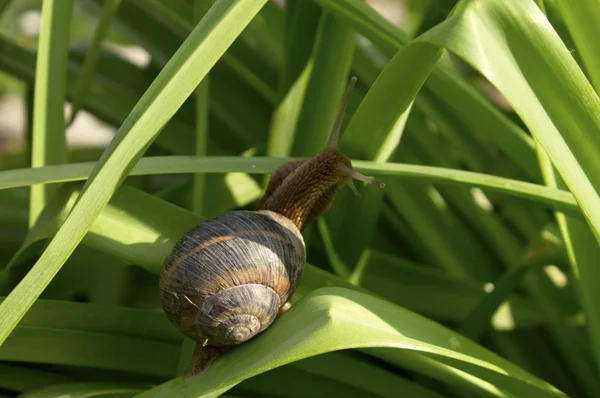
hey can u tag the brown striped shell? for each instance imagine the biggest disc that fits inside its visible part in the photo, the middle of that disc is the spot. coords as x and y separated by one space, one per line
226 279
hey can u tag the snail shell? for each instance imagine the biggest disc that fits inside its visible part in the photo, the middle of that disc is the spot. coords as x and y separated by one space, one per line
226 279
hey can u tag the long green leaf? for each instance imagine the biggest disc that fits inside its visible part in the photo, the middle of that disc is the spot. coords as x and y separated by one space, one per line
557 199
202 97
335 318
331 60
205 45
49 139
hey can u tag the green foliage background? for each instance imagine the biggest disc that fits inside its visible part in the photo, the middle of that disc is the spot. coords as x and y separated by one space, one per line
473 273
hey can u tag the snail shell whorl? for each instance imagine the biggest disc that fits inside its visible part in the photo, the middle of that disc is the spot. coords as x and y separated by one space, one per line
226 279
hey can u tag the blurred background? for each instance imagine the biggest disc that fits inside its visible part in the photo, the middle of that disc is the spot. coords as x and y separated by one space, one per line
21 22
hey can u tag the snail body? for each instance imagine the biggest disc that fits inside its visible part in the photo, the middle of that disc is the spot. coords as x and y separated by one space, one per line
230 277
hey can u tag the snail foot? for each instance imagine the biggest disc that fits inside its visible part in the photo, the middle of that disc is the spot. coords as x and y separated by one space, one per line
203 357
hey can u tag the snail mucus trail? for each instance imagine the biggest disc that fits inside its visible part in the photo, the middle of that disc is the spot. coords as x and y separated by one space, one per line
230 277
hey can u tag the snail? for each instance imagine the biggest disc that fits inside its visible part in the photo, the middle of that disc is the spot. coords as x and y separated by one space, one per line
230 277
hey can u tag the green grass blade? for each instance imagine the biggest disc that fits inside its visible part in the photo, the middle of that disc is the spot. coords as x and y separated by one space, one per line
83 80
388 102
328 79
202 97
557 199
582 19
205 45
285 117
335 318
582 250
49 140
301 26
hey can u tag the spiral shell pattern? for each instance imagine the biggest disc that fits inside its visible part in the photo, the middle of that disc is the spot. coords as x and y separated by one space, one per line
226 279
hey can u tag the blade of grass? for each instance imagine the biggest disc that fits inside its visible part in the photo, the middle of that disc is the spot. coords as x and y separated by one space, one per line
205 45
582 250
335 318
49 141
202 96
301 27
582 19
84 78
554 198
332 57
285 117
385 108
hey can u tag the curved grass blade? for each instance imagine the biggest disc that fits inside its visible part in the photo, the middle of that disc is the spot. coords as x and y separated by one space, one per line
49 143
557 199
205 45
334 319
385 108
82 83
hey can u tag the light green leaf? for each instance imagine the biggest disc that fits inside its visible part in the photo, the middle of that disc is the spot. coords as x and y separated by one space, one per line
554 198
335 318
49 139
